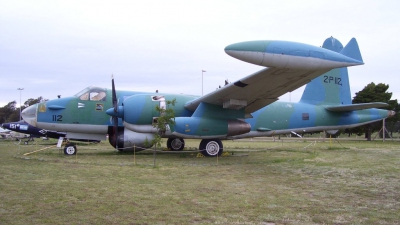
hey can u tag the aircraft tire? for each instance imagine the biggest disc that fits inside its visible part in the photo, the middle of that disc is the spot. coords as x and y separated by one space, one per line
70 149
176 144
211 147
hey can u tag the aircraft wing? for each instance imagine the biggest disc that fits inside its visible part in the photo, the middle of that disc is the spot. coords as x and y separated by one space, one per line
257 90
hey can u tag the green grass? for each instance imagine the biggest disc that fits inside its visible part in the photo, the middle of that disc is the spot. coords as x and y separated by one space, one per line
288 181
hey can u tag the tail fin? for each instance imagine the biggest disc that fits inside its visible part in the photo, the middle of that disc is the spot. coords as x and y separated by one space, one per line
352 50
333 87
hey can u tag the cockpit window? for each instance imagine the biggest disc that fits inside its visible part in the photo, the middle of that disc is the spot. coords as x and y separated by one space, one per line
82 92
85 96
92 94
97 96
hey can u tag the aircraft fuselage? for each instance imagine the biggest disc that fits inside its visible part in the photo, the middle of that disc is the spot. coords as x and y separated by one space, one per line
88 118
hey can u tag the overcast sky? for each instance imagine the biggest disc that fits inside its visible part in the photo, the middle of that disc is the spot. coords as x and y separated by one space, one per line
52 47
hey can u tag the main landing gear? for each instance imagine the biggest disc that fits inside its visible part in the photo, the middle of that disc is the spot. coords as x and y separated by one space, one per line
208 147
211 147
176 144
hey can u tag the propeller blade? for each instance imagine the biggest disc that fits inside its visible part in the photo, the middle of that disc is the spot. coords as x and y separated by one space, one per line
114 96
115 105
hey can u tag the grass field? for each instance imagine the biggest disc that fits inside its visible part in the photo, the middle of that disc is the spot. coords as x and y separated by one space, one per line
290 181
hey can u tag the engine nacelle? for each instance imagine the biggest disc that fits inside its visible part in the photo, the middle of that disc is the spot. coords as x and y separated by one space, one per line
141 109
198 127
129 140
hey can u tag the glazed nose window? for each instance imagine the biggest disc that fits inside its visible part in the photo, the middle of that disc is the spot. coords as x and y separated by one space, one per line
29 114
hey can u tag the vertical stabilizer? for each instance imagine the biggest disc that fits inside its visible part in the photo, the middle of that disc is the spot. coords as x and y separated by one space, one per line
333 87
352 50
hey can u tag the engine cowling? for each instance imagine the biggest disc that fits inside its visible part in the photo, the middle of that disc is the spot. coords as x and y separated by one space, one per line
129 140
141 109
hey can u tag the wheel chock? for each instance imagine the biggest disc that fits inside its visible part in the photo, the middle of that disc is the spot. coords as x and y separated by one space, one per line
199 155
225 154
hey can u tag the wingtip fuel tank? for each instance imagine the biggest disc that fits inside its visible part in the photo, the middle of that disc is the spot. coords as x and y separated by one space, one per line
289 55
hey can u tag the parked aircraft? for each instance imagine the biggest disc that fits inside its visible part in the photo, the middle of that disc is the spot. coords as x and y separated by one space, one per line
25 128
4 133
242 109
11 134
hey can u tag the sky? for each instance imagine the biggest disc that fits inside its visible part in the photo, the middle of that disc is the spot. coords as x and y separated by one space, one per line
57 47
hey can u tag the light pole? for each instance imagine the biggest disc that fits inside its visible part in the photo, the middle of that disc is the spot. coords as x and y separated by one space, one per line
20 90
202 71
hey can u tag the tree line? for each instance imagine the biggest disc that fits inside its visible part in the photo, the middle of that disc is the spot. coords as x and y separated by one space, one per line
10 112
377 93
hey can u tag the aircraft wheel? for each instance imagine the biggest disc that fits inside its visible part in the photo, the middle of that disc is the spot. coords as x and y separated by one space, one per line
25 142
212 147
175 144
70 150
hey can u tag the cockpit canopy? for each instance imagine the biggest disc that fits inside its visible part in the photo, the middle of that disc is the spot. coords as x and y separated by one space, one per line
92 94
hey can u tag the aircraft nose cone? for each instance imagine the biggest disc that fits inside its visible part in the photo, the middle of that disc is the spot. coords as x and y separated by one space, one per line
29 115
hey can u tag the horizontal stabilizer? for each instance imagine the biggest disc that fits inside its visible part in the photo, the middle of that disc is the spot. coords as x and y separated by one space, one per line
353 107
352 50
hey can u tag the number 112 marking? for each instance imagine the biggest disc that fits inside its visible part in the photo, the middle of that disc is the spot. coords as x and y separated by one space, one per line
57 118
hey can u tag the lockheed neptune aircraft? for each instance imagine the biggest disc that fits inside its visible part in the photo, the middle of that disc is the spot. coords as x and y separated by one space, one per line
242 109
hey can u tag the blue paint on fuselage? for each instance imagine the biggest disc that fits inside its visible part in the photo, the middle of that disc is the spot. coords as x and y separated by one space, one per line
47 115
348 118
187 125
304 115
376 113
361 116
138 102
